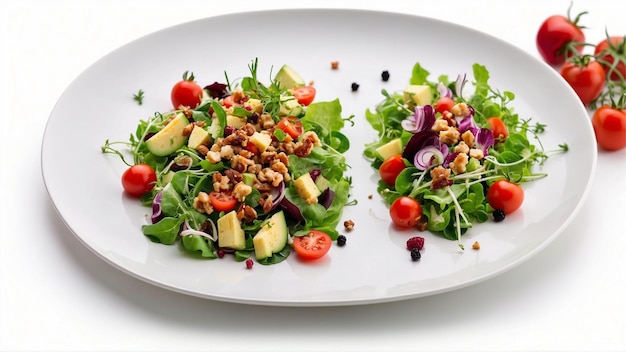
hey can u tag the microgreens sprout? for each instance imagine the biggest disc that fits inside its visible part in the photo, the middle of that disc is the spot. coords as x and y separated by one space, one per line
138 97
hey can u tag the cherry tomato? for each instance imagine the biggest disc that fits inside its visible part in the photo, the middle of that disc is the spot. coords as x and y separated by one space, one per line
556 37
304 94
505 195
391 168
138 179
405 212
586 78
608 52
313 245
498 128
252 148
609 125
291 125
443 104
222 201
228 101
186 92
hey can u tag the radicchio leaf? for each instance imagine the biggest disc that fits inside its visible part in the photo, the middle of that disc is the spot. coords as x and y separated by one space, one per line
422 120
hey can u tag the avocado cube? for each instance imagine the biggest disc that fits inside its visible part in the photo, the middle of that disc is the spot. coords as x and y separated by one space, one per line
229 232
306 188
418 94
198 137
389 149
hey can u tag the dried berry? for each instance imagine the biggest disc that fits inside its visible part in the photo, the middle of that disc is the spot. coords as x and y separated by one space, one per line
221 253
416 242
249 263
355 87
385 75
341 240
416 254
498 215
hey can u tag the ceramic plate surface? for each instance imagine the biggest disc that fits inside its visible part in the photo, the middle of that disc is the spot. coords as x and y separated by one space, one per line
374 266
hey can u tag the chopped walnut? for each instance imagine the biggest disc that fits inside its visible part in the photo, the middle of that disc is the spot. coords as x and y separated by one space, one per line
213 157
266 121
311 135
440 177
449 136
241 191
476 154
220 182
422 223
246 213
334 65
460 109
278 166
203 150
458 165
461 148
240 163
440 125
202 203
476 245
348 225
187 130
227 152
270 176
468 138
239 97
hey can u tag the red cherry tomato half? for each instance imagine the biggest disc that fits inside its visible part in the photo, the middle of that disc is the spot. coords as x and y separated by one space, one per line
304 94
405 212
186 93
505 195
313 245
291 125
587 79
222 201
609 125
443 104
138 179
391 168
498 128
609 51
555 34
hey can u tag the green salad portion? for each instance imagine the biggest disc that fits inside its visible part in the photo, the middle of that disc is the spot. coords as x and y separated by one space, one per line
448 160
241 168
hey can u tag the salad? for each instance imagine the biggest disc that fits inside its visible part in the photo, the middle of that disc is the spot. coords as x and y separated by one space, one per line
241 168
448 160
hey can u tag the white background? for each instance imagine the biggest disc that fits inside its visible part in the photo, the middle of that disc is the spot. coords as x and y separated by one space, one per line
55 294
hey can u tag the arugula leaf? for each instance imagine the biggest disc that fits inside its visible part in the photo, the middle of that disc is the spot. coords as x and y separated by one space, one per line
419 74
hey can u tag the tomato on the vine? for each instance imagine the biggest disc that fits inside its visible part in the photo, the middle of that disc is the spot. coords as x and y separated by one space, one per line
498 128
291 125
138 179
222 201
558 37
612 51
443 104
586 76
609 125
304 94
186 93
314 245
405 212
505 195
391 168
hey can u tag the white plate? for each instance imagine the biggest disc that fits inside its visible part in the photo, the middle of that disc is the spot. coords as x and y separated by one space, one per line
374 266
